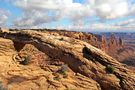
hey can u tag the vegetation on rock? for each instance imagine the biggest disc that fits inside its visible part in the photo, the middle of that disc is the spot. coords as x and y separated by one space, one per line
63 69
2 86
26 60
110 69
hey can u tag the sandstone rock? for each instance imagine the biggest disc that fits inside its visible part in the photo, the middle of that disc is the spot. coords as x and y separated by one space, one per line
104 45
88 62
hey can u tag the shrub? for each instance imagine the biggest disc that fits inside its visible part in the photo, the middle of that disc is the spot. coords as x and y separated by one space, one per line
2 86
26 60
110 69
57 78
65 76
61 39
64 69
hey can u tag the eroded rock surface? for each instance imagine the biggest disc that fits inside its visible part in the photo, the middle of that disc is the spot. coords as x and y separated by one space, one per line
58 63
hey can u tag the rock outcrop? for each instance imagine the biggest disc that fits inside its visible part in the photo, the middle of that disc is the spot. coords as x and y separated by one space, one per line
56 62
113 45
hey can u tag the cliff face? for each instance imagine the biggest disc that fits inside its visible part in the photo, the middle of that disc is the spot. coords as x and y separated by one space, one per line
110 45
113 46
42 61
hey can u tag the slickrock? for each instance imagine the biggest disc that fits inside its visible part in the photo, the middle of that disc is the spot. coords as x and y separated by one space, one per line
59 63
113 45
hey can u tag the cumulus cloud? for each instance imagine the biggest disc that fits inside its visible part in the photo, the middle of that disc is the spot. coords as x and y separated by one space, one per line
44 4
34 17
127 25
129 22
3 17
109 9
39 11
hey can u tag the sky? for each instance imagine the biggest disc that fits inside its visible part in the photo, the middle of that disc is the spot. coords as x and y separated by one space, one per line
80 15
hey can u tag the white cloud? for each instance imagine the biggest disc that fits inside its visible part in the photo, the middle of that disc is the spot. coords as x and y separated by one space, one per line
127 25
3 17
39 12
129 22
43 4
109 9
34 17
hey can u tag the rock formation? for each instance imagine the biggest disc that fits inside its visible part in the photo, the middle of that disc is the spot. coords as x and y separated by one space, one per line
120 42
42 61
113 46
104 45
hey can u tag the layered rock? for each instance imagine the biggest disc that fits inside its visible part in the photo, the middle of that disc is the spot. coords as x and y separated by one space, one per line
88 67
113 46
103 45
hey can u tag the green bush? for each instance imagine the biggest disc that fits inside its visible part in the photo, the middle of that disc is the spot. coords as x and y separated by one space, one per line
110 69
26 60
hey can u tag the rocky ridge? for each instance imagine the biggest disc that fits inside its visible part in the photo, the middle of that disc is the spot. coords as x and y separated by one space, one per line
113 46
87 67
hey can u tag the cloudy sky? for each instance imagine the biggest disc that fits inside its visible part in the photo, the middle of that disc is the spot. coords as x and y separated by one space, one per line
86 15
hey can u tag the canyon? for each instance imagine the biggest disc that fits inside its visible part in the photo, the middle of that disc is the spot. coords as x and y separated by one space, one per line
60 60
117 46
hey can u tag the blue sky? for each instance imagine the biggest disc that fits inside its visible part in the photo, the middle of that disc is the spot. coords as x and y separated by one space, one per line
93 15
